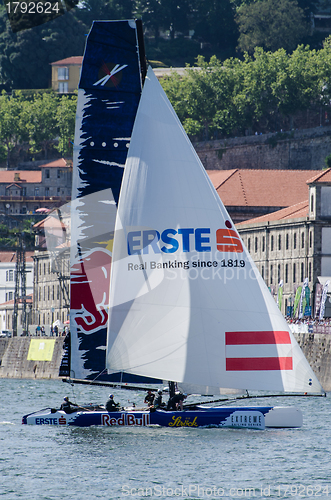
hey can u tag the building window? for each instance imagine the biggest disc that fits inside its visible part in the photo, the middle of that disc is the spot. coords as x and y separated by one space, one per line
286 241
36 191
59 173
271 274
58 292
302 240
249 244
63 73
10 275
255 244
294 273
63 88
10 296
24 191
58 191
310 239
46 191
295 240
286 273
278 273
47 173
309 271
279 242
312 203
53 293
272 242
262 272
302 271
263 244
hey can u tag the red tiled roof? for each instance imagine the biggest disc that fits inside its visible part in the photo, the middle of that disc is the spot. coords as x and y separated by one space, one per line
322 177
7 176
29 300
266 188
7 257
293 212
69 60
60 163
51 222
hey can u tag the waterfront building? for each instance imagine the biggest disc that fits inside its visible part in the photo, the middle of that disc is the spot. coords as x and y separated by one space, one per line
29 191
7 285
52 270
294 243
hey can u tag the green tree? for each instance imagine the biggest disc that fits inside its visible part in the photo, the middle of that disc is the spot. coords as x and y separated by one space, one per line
297 87
323 59
102 10
13 120
204 98
42 125
151 12
271 25
328 161
214 23
65 117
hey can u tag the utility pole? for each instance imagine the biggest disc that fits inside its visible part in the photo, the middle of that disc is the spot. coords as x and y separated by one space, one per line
20 285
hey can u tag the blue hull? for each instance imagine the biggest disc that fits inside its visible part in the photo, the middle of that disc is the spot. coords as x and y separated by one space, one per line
233 417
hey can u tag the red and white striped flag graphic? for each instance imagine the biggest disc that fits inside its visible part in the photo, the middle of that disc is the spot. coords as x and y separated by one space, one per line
252 351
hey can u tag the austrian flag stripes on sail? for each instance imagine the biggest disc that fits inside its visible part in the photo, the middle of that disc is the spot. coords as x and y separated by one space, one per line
252 351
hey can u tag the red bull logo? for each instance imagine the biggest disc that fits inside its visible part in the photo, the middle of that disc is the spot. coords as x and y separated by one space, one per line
90 279
139 419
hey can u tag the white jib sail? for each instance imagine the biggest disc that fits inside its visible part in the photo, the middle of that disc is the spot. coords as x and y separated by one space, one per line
187 303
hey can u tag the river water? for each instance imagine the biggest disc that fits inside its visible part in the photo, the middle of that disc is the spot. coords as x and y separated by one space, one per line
52 463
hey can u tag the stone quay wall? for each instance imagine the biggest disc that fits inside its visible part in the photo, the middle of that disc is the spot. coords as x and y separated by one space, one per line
317 349
14 362
295 150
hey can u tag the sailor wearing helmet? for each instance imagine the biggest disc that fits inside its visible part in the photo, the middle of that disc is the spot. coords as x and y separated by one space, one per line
158 400
111 405
67 405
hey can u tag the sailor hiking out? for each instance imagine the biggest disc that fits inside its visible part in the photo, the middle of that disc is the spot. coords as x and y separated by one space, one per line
111 405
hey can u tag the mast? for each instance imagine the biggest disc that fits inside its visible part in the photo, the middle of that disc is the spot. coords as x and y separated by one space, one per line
20 285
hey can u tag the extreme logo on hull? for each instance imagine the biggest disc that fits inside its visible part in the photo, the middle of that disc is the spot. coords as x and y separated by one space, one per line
183 239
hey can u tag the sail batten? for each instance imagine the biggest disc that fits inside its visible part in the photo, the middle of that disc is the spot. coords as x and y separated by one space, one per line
186 300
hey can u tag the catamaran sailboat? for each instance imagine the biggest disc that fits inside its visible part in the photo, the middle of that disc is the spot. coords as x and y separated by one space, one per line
186 302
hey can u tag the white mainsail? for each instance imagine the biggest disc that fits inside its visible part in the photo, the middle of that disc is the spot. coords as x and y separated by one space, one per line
187 303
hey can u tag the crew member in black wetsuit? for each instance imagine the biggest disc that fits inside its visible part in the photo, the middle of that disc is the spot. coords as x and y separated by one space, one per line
67 406
158 400
149 398
176 402
111 405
